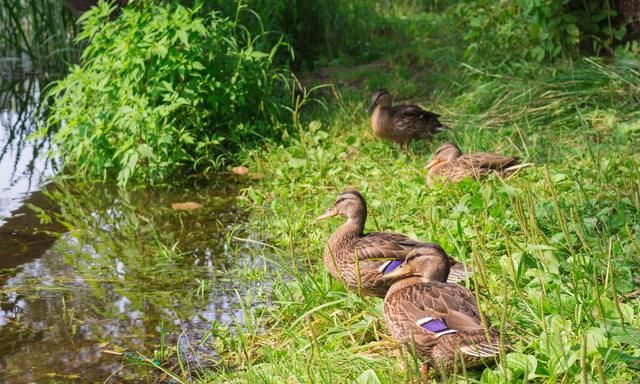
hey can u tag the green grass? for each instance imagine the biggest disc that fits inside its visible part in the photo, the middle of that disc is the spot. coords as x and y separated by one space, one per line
555 247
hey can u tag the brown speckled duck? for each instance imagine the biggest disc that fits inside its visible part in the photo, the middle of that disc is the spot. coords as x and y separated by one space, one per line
438 320
373 255
401 123
449 164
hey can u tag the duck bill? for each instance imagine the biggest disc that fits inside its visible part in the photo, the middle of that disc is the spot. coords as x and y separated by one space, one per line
371 108
432 164
401 271
329 213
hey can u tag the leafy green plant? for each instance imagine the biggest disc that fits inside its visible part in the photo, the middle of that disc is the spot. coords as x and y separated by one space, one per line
541 30
571 25
163 88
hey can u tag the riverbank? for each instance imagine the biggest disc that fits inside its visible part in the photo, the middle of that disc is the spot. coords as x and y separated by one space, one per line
235 291
555 246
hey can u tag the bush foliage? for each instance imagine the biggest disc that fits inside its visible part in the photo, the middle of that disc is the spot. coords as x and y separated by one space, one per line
160 89
540 30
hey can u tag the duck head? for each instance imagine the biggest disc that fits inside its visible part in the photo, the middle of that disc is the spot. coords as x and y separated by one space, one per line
446 152
349 204
429 262
381 97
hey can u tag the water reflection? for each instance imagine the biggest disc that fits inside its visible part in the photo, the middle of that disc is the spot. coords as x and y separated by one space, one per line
24 167
23 237
23 164
127 269
108 286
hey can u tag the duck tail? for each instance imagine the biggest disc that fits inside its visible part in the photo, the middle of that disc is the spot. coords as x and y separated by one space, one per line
459 272
440 128
482 349
517 167
483 343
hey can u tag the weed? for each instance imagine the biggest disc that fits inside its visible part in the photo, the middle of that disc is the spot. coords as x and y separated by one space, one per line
163 89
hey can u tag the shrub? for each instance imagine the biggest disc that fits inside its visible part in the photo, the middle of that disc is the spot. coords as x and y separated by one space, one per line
540 30
160 89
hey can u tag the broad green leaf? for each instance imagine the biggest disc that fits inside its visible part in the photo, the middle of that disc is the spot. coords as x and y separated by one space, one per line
596 338
182 35
145 150
556 343
368 377
522 365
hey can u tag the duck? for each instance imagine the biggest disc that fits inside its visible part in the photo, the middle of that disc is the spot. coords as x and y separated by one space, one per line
450 165
434 318
362 260
401 123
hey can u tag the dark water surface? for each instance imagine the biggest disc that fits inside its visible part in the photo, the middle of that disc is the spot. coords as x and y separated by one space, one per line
109 271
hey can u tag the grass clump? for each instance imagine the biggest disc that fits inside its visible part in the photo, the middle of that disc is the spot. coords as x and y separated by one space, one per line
320 31
161 89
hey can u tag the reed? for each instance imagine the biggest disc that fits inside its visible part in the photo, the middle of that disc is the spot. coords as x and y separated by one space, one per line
37 38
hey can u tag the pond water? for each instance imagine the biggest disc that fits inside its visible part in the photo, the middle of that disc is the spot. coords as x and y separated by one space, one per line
113 273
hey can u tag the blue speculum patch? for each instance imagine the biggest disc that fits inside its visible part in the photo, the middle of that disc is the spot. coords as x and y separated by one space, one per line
391 266
435 325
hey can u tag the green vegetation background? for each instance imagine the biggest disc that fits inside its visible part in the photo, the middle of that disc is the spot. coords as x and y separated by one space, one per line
556 247
553 82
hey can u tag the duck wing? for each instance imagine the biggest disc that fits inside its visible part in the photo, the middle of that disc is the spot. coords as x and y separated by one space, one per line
436 309
386 245
378 248
415 121
454 304
413 111
484 160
